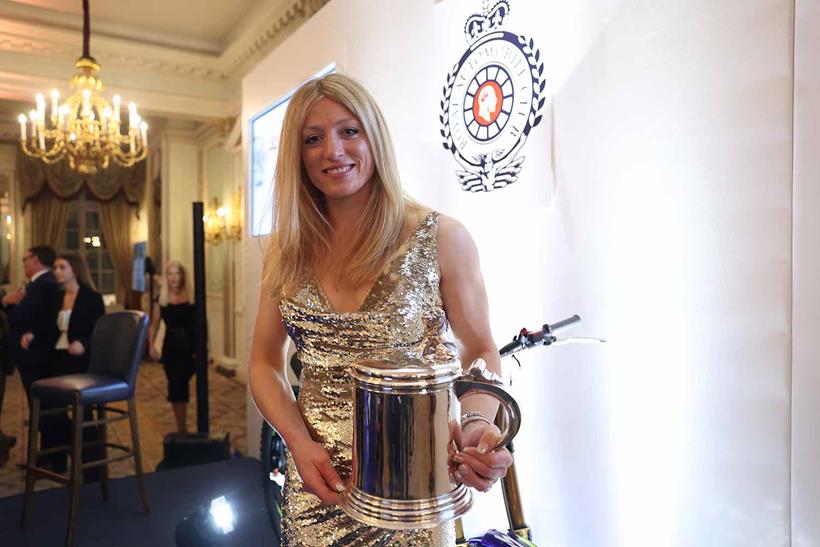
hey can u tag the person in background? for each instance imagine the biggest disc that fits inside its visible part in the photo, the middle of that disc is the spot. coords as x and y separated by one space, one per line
175 309
7 442
33 312
80 306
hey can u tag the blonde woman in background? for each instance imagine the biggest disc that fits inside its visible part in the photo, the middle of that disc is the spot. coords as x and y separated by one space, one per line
355 268
174 308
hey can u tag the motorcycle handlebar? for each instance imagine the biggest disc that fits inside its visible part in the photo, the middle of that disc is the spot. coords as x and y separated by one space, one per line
543 337
511 348
565 324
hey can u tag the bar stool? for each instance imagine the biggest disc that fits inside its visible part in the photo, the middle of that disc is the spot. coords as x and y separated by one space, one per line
116 350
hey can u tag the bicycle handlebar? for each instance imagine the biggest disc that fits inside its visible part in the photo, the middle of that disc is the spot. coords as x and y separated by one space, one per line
543 337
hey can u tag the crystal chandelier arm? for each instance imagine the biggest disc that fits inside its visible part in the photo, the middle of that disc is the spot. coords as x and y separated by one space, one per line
85 127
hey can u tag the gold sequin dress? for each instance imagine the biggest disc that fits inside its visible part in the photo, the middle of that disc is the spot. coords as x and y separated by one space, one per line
402 312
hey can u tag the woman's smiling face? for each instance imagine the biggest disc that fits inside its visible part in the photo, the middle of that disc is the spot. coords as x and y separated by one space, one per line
335 151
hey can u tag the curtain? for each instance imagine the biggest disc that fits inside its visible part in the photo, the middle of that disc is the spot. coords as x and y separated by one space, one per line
48 218
155 222
64 182
115 217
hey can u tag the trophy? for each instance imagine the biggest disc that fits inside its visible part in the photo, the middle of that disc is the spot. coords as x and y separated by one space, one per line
406 416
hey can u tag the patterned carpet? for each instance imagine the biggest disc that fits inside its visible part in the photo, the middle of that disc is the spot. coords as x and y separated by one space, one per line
227 414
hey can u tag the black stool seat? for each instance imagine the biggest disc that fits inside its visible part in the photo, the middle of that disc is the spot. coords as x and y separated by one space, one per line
117 346
92 388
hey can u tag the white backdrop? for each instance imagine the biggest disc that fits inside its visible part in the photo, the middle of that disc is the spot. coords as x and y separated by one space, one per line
806 343
667 227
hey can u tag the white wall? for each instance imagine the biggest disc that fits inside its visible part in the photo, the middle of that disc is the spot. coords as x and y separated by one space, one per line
667 227
806 313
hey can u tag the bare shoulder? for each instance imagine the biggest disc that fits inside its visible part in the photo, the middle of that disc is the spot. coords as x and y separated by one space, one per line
453 236
457 251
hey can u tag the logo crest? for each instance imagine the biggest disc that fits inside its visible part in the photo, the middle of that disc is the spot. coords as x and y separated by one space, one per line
492 100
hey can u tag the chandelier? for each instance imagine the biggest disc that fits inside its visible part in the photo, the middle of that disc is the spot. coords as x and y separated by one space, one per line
85 128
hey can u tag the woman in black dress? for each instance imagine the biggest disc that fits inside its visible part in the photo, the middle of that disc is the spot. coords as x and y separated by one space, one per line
175 309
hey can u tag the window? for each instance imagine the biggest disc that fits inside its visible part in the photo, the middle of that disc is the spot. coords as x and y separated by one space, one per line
84 237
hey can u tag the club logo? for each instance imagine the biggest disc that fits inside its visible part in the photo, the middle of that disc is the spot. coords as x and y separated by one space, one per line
492 100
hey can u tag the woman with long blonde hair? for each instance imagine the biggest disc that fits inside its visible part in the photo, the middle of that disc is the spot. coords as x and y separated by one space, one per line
354 268
174 308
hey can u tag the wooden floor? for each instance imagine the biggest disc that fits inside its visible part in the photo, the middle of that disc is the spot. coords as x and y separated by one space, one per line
227 414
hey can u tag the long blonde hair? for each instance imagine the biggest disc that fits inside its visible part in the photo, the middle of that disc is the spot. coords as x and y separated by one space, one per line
164 295
301 228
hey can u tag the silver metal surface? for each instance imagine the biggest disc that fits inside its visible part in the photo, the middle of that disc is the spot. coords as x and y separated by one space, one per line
405 415
406 514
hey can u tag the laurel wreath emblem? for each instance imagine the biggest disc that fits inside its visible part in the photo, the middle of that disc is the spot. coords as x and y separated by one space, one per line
482 178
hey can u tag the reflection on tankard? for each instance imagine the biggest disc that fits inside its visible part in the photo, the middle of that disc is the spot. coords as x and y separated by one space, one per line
405 415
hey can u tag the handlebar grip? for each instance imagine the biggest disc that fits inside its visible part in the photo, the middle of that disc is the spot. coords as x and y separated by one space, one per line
564 324
511 348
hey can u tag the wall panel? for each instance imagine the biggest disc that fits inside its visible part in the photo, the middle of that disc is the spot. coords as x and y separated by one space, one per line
667 226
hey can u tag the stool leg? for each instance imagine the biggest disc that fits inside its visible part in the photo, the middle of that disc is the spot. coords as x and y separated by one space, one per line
76 474
31 461
135 448
101 415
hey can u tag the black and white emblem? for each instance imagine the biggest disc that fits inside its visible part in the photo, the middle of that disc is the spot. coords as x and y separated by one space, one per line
492 100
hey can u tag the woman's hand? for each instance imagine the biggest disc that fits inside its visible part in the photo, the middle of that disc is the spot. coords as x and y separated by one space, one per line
314 466
477 465
26 339
76 348
153 354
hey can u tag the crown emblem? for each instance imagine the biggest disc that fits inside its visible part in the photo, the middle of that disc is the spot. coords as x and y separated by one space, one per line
493 17
492 100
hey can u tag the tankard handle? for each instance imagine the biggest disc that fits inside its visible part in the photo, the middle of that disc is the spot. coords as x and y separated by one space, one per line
512 414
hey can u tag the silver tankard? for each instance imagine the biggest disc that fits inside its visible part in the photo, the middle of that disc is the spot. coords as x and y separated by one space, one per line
405 415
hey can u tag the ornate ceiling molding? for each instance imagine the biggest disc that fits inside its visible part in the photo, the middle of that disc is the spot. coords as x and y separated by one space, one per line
32 39
19 44
256 44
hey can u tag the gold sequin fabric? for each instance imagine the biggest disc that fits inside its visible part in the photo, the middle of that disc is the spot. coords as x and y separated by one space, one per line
402 312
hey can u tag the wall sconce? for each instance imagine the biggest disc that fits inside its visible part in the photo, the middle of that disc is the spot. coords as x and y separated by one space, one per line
233 218
222 223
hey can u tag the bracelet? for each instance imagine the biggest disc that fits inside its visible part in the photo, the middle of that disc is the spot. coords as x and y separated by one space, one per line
474 416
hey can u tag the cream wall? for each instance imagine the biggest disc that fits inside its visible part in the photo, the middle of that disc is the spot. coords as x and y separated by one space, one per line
806 298
221 182
196 166
180 187
667 226
213 167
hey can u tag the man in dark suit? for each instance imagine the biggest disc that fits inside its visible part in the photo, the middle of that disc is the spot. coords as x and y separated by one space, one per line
34 311
32 318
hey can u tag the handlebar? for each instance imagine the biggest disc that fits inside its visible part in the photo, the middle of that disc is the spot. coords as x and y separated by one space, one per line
543 337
